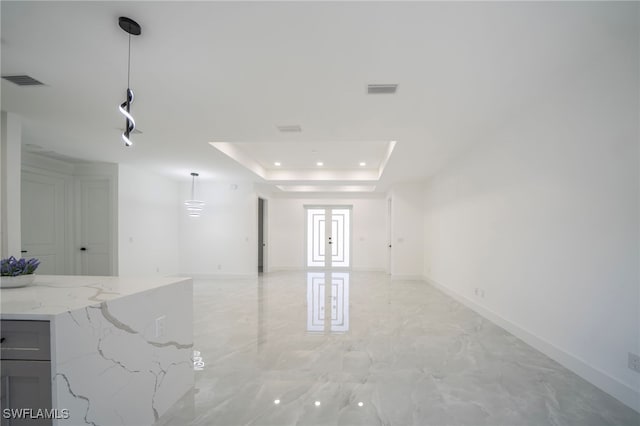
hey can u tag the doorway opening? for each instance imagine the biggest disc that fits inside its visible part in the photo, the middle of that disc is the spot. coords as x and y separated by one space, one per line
262 244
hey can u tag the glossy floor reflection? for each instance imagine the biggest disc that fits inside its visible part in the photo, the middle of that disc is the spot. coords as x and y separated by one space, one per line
389 353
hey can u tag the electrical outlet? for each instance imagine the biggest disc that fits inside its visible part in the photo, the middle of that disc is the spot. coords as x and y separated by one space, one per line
160 326
634 362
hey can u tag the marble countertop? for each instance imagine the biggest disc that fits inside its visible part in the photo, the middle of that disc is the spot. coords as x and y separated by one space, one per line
51 295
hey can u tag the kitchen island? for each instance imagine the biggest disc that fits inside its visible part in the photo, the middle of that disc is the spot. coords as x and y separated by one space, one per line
118 351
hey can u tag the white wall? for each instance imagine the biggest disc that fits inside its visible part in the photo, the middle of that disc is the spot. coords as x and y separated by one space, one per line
407 230
223 241
148 208
286 240
544 217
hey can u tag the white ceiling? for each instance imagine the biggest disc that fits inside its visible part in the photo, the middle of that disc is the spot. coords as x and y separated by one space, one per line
233 71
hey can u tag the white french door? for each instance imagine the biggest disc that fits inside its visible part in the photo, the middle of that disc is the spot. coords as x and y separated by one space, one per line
328 236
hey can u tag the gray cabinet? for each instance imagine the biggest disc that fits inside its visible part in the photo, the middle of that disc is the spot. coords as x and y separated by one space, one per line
25 381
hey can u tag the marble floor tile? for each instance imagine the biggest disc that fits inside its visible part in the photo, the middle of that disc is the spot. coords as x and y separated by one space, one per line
361 349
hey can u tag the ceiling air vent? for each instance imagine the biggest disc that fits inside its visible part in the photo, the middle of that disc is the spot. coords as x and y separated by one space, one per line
382 89
23 80
290 128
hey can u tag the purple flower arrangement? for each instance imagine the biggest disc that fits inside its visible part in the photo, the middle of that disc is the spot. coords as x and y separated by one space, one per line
13 267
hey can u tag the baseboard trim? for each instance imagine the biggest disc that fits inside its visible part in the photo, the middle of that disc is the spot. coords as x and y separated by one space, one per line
219 276
595 376
359 269
402 277
285 269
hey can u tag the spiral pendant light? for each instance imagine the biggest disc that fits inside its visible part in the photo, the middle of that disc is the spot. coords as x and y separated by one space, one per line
132 28
194 206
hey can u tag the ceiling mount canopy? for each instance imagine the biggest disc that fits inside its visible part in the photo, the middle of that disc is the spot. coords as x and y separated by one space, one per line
131 27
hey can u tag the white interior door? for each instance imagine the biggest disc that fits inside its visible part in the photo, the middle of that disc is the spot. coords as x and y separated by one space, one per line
328 236
94 245
43 221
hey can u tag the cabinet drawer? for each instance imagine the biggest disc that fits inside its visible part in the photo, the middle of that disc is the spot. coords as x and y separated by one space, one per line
27 340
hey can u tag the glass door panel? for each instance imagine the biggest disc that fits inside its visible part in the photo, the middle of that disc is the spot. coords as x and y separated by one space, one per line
340 220
316 237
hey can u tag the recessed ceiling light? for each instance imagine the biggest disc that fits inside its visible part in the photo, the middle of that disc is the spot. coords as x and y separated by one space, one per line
277 163
362 164
319 163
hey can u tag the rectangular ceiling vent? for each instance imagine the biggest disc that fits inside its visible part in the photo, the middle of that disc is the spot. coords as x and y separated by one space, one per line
23 80
382 89
290 128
